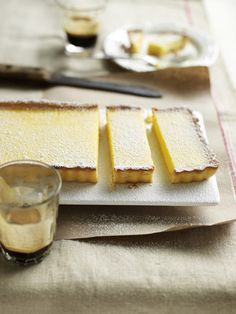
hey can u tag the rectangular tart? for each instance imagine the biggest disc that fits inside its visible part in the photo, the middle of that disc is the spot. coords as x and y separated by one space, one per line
63 135
129 149
183 145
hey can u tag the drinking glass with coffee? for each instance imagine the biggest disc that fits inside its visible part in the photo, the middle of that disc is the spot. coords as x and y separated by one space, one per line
29 193
81 21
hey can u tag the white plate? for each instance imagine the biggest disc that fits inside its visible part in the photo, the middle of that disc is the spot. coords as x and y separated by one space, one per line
160 192
200 51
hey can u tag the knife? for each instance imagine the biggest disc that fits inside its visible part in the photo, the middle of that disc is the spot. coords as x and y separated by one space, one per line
42 75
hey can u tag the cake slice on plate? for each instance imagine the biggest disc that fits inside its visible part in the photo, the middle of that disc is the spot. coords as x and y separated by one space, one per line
166 43
183 145
135 40
129 148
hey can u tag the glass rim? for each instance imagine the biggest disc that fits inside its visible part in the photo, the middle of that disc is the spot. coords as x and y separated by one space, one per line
37 163
66 7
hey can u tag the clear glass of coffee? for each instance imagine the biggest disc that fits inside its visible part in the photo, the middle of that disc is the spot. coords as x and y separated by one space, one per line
29 196
81 22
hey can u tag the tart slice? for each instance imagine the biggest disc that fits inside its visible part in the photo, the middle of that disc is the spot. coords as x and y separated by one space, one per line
63 135
135 41
166 43
129 149
183 145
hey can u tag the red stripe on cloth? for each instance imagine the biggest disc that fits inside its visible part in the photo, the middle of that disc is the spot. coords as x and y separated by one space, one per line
229 151
188 12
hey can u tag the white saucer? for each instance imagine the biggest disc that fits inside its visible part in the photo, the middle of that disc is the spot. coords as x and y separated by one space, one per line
200 51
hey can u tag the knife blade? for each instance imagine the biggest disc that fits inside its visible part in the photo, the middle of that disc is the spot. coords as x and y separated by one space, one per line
38 74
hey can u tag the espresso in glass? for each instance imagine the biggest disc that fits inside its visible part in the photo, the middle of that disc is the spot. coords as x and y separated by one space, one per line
29 193
81 31
81 23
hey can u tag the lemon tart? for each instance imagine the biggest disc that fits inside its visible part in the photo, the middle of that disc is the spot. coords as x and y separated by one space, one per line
166 43
129 148
135 41
183 145
63 135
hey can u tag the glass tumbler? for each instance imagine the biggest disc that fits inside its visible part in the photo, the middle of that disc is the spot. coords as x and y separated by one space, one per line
81 22
29 196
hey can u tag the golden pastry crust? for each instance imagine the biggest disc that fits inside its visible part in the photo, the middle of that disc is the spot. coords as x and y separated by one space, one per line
122 107
44 104
130 175
78 174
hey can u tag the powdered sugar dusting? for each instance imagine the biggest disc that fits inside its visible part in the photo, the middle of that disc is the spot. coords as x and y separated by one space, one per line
129 141
184 140
61 138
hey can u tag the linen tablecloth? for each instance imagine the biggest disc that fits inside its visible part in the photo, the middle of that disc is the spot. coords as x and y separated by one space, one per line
190 271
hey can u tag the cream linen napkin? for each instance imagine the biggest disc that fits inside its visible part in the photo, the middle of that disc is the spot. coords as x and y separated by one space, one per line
190 271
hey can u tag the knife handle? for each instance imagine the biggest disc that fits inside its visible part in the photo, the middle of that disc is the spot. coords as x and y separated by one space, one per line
24 72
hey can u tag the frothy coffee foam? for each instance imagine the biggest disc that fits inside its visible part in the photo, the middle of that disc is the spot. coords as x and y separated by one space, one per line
81 26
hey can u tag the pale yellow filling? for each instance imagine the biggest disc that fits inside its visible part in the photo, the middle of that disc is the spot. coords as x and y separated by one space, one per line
129 148
185 155
64 138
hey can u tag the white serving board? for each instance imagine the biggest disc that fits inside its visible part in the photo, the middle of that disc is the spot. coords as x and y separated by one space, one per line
159 193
